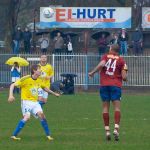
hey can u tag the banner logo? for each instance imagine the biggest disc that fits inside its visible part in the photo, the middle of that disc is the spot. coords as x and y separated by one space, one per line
85 17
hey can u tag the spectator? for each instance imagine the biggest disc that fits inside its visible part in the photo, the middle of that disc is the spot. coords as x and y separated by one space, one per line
27 40
44 43
115 39
123 38
137 38
102 44
69 48
58 43
57 86
15 75
68 85
17 37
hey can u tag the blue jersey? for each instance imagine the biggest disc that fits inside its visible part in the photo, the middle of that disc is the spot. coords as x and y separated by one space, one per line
15 72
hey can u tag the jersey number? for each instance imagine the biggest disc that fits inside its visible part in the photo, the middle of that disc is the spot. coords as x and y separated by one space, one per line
110 64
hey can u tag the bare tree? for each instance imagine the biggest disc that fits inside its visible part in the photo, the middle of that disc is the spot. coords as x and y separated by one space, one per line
14 8
122 2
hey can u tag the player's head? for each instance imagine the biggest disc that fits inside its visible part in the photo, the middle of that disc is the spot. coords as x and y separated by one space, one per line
43 59
35 70
114 48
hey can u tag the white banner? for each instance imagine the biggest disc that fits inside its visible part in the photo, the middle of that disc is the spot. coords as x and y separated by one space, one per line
85 17
146 17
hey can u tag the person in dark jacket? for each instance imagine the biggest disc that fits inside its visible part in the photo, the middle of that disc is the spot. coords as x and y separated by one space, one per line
115 39
102 44
68 85
27 40
17 37
123 38
137 41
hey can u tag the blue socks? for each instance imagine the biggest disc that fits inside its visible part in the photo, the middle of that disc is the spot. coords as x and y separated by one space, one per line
45 127
22 123
19 127
41 103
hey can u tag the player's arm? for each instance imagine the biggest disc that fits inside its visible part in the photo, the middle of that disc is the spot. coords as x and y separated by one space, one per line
124 73
11 97
12 68
97 68
51 92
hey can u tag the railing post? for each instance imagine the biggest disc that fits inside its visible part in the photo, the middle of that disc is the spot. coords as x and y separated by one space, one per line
86 73
53 64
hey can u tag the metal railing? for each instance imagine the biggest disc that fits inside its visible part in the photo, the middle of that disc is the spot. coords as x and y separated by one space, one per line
80 64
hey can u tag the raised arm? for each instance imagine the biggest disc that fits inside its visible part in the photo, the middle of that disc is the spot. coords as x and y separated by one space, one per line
12 68
97 68
19 69
51 92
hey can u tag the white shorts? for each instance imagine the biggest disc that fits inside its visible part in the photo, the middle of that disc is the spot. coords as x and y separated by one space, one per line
29 107
42 93
14 79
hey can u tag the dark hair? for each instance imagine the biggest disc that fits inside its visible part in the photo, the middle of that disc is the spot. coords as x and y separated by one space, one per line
115 48
34 68
16 64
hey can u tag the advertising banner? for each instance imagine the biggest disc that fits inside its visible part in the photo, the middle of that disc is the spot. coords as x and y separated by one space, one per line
146 17
85 17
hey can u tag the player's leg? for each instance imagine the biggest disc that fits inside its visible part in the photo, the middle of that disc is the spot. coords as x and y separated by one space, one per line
105 108
116 96
19 127
26 116
42 96
117 117
45 96
105 97
39 112
41 101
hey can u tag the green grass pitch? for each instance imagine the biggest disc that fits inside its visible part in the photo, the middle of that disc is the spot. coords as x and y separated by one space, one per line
76 124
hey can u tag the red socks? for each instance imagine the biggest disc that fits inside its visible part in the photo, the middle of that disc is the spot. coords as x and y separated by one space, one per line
106 119
117 116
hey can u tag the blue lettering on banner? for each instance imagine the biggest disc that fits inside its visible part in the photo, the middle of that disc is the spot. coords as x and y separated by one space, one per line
91 13
111 12
101 12
74 14
94 13
81 12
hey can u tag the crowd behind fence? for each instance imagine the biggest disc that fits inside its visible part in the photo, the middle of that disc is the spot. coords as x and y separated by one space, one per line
80 64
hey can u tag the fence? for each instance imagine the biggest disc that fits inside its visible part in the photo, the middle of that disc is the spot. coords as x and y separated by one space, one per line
79 64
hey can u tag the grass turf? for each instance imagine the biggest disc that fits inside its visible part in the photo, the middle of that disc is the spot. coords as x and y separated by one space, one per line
76 124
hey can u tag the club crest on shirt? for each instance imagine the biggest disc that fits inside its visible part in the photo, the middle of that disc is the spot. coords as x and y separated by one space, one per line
43 74
33 91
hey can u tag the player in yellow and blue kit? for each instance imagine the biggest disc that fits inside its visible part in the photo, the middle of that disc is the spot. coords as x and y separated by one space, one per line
46 76
29 100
